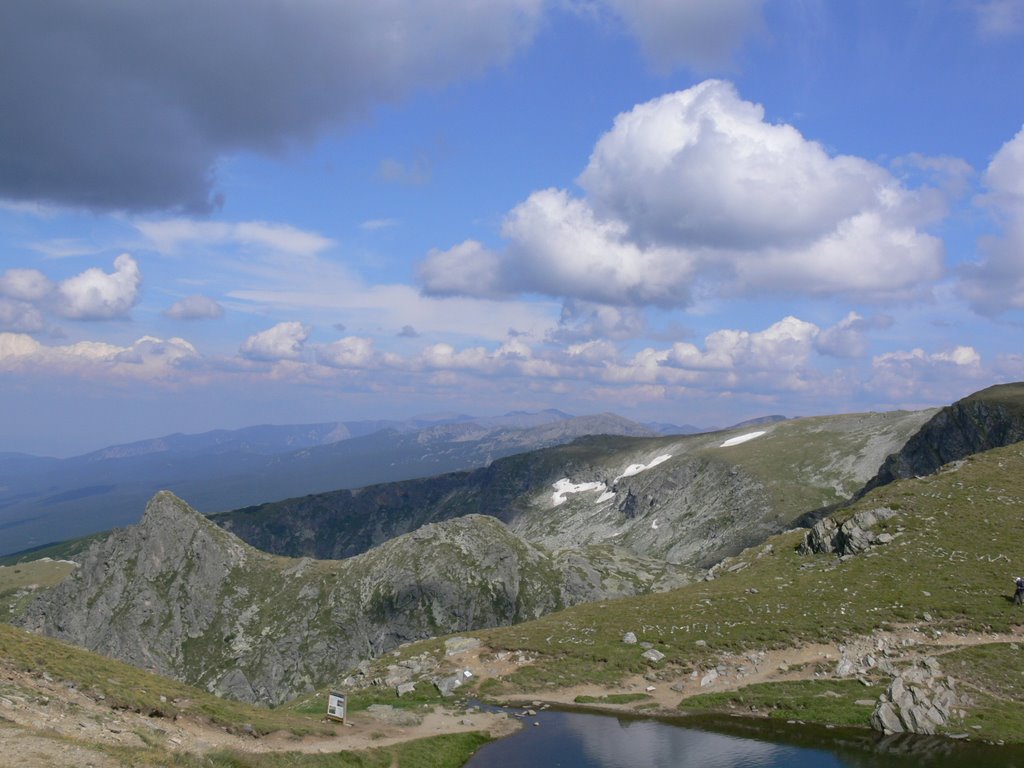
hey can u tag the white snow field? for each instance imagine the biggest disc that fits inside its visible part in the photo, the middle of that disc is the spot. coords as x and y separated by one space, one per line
740 439
636 469
566 486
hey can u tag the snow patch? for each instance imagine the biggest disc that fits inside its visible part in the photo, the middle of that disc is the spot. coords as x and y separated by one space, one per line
606 496
654 524
566 486
636 469
741 439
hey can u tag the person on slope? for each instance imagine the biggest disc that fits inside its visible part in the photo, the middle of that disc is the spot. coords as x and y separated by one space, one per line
1018 595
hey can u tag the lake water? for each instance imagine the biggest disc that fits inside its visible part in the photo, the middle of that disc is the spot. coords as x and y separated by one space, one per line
582 740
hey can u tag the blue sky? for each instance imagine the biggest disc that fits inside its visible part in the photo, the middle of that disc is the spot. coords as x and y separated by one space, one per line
695 211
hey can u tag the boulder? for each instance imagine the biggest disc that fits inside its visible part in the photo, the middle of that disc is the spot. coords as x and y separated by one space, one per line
850 537
709 678
919 700
447 685
885 719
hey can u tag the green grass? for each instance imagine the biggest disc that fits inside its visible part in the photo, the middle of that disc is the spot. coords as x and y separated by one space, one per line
128 687
612 698
953 557
19 582
60 550
816 701
445 751
993 676
448 751
316 704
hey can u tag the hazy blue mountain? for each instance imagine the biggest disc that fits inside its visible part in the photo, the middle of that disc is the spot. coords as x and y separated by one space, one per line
47 499
664 428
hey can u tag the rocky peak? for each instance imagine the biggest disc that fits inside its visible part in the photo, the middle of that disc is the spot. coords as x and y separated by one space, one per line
988 419
180 595
171 534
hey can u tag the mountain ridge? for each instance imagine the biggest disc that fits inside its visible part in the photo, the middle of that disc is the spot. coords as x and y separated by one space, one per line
107 488
180 595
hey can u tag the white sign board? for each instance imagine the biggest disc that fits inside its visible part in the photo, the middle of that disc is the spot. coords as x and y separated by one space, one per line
336 706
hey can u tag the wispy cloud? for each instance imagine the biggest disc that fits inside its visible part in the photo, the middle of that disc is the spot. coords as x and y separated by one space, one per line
1000 18
174 235
372 225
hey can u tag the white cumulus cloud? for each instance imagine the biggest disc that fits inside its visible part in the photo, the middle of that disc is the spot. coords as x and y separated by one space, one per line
25 284
995 283
98 295
284 341
847 337
558 246
349 352
148 358
467 269
19 316
696 188
783 345
920 376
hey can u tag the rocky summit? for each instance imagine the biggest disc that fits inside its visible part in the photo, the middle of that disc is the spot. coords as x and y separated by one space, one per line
178 595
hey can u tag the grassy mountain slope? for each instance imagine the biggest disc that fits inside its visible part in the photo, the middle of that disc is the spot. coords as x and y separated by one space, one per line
179 595
987 419
60 704
941 587
705 502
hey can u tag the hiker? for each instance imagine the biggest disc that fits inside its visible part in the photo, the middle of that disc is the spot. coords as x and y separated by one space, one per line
1018 596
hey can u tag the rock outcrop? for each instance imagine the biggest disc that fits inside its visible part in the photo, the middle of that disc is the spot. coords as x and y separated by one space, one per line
919 700
850 537
181 596
988 419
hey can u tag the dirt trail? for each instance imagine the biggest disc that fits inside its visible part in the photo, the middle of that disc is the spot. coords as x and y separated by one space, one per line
898 646
45 722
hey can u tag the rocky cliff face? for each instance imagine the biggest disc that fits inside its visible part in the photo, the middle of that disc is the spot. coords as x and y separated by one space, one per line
179 595
707 501
988 419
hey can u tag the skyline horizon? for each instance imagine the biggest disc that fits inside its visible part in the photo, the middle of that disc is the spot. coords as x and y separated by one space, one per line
696 212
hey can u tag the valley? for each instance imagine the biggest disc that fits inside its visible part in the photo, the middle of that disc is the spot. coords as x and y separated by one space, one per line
224 469
646 575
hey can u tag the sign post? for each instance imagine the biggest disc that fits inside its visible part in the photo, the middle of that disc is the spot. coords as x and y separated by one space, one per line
336 706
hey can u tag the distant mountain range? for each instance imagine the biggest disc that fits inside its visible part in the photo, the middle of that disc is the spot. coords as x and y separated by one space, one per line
45 499
217 602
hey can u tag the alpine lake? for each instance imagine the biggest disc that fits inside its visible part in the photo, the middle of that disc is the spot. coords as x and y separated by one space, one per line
574 739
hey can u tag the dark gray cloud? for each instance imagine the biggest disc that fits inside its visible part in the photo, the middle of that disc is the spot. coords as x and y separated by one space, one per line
120 105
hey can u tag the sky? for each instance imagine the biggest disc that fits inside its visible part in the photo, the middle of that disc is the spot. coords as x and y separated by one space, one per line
218 213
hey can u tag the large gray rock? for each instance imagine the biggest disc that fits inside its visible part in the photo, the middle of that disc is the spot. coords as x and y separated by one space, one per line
885 719
446 685
850 537
919 700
